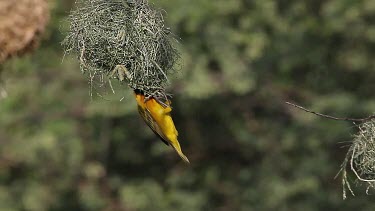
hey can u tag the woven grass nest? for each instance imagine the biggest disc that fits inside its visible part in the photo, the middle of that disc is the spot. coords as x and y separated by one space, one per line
361 156
21 24
107 34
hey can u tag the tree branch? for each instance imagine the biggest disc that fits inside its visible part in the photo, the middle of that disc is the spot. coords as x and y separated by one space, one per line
332 117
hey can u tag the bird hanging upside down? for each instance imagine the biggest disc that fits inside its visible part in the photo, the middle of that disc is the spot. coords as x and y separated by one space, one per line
158 118
156 114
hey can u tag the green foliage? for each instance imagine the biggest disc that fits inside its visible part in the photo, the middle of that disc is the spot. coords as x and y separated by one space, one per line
62 149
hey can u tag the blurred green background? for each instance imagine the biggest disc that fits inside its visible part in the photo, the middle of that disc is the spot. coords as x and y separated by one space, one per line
61 149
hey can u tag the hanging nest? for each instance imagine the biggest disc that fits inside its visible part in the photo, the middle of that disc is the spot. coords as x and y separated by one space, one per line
21 24
107 34
361 157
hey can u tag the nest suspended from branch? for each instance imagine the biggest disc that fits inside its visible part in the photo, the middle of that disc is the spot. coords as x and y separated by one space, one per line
106 34
361 156
21 24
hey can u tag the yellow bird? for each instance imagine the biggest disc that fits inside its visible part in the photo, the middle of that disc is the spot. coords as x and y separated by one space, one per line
158 118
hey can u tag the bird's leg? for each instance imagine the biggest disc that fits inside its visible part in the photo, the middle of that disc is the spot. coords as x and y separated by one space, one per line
121 72
148 97
162 103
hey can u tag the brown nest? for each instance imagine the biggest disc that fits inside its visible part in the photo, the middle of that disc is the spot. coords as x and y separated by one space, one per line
21 24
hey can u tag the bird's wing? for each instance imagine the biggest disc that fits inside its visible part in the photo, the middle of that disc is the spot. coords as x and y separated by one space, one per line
150 121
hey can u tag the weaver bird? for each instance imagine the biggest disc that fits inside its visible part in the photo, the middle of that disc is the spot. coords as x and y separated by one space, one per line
155 113
158 118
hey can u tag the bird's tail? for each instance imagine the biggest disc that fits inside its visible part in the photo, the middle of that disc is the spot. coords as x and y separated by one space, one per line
177 148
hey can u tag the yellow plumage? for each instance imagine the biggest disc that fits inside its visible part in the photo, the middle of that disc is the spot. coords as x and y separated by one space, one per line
159 119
